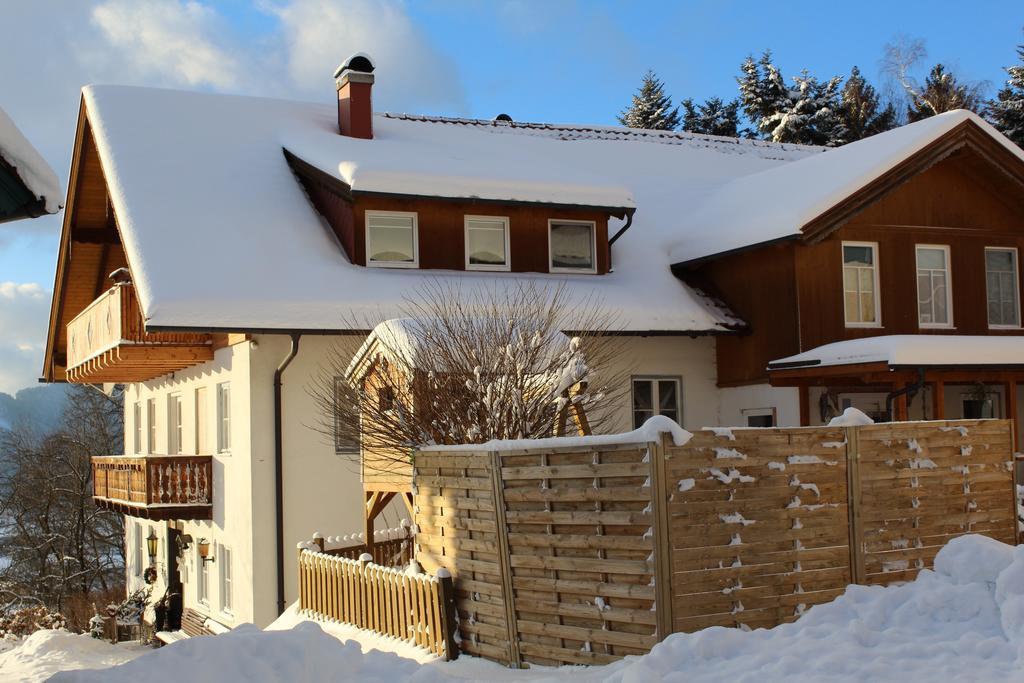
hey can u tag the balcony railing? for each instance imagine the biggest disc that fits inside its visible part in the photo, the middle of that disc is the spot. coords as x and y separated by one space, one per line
108 342
154 486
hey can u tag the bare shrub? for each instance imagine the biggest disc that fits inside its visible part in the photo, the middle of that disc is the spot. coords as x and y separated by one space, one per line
461 367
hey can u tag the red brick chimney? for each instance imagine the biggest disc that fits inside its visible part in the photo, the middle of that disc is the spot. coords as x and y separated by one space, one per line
354 80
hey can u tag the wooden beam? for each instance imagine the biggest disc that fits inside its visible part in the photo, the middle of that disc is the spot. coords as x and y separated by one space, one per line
1010 401
938 400
805 406
899 405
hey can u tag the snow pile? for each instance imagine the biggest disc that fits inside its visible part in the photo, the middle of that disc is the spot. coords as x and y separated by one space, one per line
33 170
963 621
44 653
851 417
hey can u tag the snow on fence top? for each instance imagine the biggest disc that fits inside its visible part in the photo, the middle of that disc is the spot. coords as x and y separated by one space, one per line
30 166
288 272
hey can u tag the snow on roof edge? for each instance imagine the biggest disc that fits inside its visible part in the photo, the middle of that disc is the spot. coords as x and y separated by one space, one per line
28 163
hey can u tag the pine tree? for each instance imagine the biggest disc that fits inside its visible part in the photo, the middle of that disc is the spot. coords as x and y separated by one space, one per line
808 113
651 107
861 109
942 92
1007 110
714 117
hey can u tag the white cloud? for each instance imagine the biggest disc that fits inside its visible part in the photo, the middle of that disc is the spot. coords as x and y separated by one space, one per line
411 73
176 41
24 315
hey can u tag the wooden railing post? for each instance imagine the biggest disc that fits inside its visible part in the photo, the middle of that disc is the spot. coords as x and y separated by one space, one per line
853 504
446 592
504 562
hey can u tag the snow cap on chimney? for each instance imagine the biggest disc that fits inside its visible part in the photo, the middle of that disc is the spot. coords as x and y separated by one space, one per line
354 82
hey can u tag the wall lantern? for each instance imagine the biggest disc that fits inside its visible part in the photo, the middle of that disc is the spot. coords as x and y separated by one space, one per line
151 543
205 550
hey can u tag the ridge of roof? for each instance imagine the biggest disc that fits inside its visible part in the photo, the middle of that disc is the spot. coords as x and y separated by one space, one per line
569 132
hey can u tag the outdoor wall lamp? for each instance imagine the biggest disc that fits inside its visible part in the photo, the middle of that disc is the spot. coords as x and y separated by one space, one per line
151 545
205 551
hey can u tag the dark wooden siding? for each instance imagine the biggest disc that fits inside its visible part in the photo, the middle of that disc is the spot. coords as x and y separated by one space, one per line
441 230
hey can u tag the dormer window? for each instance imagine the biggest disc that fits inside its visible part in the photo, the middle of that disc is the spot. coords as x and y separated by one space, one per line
391 239
487 243
572 247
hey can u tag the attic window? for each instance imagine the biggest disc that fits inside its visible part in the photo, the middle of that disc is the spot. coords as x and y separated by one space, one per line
391 239
572 246
487 243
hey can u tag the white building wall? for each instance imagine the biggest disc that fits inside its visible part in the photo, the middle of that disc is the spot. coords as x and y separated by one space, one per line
737 403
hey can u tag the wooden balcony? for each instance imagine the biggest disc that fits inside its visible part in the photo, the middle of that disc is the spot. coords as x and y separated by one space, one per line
108 342
154 486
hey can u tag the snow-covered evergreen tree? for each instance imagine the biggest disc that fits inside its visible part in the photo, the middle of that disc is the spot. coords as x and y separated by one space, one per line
807 113
942 92
861 109
1007 110
651 107
714 117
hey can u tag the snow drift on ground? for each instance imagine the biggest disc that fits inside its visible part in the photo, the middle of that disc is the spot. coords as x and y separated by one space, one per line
44 653
964 621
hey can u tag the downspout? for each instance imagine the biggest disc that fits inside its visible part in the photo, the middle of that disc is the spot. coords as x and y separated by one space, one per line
279 468
618 234
910 391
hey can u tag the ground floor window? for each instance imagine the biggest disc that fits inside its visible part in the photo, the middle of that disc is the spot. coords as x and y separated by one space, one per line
759 417
656 396
224 560
202 578
974 408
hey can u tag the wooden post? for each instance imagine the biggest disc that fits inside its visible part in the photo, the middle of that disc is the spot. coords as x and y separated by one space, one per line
662 540
446 592
853 505
504 562
805 406
899 407
938 400
1010 401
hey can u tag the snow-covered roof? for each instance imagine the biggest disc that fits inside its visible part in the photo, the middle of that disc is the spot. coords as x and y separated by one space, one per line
220 235
30 166
778 202
910 350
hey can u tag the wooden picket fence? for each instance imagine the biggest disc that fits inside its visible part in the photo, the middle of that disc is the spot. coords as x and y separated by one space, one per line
393 551
418 608
588 553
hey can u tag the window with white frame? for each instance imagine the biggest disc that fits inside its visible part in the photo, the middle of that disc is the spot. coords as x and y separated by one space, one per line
860 284
202 578
934 293
656 396
223 417
759 417
151 423
487 243
391 239
137 428
572 247
137 548
224 560
201 423
346 436
174 426
1002 287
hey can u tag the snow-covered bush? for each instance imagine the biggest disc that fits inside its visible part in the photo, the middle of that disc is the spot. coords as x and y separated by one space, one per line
28 620
134 606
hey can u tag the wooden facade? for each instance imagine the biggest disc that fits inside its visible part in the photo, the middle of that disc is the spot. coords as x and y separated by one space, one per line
441 223
791 292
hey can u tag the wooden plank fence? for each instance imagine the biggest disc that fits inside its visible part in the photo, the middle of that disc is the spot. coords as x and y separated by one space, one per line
585 554
415 608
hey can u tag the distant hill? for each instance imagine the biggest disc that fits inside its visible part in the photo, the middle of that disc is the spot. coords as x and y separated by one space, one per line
40 407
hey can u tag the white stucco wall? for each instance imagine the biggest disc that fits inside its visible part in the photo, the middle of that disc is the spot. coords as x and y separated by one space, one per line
737 402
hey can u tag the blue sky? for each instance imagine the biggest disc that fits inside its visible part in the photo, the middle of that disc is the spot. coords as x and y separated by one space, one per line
559 60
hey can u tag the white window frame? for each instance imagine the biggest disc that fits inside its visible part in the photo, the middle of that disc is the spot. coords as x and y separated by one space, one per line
949 287
223 418
1016 280
655 402
137 428
593 247
226 579
415 239
175 424
202 425
202 579
507 266
878 293
760 412
151 425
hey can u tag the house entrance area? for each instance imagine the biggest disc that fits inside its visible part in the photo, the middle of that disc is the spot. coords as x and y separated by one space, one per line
908 377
